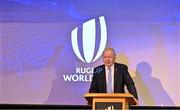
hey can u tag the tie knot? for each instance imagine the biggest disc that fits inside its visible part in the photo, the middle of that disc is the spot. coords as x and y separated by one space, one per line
109 69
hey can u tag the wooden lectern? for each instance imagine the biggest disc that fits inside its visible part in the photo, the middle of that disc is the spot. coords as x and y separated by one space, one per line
110 101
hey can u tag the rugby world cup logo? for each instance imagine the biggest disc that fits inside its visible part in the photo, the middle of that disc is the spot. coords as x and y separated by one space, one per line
89 40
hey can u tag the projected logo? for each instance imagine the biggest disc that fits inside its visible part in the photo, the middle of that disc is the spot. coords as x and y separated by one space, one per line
89 39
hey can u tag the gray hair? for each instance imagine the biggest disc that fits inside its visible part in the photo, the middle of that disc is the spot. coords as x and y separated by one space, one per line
110 49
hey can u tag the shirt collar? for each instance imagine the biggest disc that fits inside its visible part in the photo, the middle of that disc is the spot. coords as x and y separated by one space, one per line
110 67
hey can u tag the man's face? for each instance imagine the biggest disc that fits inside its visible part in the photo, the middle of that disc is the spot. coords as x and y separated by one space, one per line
108 58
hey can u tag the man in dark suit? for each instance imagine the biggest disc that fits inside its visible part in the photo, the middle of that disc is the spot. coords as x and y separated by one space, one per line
111 77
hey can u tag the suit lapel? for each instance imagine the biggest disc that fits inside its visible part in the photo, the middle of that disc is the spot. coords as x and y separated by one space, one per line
104 78
115 76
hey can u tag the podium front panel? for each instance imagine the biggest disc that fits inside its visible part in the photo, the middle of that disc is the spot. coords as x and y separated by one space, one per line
109 104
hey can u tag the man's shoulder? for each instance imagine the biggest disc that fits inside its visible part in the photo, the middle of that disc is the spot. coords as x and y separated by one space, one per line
99 69
120 65
100 66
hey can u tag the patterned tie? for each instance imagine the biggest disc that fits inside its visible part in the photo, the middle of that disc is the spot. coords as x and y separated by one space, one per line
109 84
